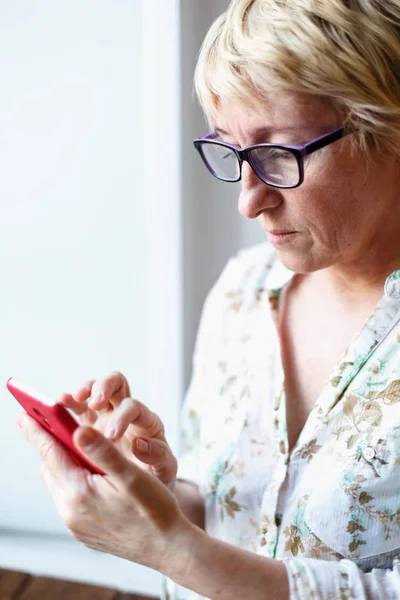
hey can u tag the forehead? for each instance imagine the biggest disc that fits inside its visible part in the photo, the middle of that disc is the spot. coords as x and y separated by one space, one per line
277 111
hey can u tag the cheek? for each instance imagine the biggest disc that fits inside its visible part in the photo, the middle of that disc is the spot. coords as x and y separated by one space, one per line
325 213
334 191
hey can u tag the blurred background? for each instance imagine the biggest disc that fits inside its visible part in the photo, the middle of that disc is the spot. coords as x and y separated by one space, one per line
111 233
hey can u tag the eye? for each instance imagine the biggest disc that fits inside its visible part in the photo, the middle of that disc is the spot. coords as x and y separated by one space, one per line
228 154
278 154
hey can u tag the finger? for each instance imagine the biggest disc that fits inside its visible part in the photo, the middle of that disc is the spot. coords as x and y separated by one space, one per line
104 455
83 396
152 452
69 401
133 412
81 409
84 391
53 456
106 389
158 455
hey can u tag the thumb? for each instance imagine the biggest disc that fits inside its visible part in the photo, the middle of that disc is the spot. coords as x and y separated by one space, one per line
103 454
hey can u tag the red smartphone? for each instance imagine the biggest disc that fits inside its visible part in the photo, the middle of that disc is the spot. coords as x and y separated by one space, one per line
53 416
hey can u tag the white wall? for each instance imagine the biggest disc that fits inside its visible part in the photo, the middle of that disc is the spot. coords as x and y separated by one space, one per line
73 247
73 302
213 229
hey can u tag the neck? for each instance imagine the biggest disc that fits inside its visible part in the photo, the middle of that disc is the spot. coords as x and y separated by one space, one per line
362 280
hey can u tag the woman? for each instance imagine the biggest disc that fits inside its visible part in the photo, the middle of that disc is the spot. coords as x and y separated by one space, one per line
292 420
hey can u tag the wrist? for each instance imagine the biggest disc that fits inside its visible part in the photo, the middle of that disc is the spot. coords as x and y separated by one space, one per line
213 568
182 544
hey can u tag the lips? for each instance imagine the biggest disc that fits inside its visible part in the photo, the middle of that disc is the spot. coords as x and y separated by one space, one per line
281 236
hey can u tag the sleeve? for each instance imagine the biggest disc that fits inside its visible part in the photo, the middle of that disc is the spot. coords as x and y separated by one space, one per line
211 323
326 580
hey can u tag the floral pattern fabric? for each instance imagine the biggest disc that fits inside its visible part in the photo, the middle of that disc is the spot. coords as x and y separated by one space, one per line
330 510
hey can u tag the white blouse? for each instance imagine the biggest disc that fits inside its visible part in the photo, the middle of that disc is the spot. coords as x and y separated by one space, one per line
329 509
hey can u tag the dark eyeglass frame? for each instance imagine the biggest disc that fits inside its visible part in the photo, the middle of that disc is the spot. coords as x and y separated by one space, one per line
299 152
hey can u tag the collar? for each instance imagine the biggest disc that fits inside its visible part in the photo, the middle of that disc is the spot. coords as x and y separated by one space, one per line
392 285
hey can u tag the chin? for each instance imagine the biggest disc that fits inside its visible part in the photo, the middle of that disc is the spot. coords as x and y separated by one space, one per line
302 262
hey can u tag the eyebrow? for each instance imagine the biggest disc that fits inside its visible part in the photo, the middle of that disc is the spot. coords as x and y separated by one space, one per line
260 131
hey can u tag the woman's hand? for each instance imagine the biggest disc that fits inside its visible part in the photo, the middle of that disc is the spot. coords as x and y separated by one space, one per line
127 512
106 404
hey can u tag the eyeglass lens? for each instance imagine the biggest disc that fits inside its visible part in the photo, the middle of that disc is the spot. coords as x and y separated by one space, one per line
275 165
222 161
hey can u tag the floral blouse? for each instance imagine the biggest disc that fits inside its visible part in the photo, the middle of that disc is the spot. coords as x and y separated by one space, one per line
329 509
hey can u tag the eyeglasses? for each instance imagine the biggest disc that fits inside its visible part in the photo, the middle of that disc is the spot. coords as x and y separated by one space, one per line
278 165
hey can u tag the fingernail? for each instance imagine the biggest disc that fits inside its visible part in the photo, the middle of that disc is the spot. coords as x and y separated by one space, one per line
18 420
110 433
143 446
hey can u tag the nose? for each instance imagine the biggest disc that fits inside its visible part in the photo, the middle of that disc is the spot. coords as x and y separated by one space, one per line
256 196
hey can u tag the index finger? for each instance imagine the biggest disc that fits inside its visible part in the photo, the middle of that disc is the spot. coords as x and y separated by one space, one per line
110 389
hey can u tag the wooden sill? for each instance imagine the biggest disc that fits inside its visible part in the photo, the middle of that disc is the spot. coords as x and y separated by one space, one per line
15 585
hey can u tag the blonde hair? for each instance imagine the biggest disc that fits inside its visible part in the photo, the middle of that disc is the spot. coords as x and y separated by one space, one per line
346 51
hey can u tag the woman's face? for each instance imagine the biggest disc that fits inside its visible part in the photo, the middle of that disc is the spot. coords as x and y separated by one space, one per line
345 211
